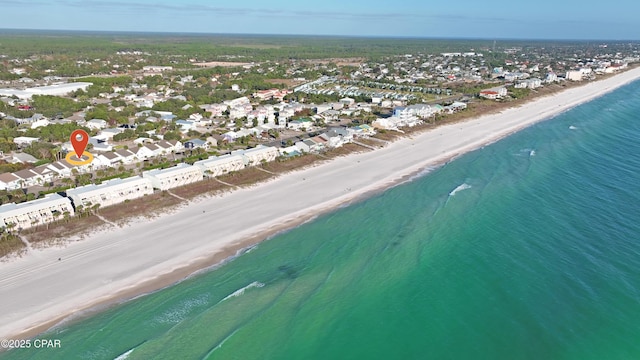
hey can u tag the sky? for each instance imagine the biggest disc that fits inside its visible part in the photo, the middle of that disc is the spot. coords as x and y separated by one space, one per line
495 19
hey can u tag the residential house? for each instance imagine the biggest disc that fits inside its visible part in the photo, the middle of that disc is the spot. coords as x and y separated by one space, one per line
61 168
230 136
337 137
494 93
143 152
574 75
108 134
196 144
290 151
126 156
110 159
185 125
8 181
330 115
320 142
167 147
322 108
347 101
24 141
29 178
529 84
96 124
365 130
422 111
300 124
216 110
22 158
98 145
303 146
238 102
46 174
40 123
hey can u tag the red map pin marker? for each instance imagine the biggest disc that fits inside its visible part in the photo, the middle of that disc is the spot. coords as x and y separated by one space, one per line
79 141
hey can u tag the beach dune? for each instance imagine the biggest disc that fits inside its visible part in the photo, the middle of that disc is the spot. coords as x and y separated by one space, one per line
39 290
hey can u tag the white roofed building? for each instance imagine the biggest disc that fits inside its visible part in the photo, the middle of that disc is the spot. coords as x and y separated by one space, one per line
238 102
179 175
96 124
215 166
258 154
35 212
574 75
54 90
111 192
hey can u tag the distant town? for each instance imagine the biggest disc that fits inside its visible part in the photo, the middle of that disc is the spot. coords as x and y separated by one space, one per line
161 121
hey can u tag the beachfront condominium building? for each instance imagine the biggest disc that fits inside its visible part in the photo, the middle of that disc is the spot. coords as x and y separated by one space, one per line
36 212
257 155
110 192
574 75
179 175
215 166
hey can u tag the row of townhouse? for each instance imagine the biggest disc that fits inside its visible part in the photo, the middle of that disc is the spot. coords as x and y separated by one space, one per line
179 175
61 169
116 191
257 155
110 192
220 165
35 212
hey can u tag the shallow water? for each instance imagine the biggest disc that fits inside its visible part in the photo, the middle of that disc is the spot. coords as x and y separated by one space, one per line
526 249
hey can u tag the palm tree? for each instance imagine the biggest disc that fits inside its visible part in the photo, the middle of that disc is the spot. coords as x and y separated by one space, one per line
79 210
94 208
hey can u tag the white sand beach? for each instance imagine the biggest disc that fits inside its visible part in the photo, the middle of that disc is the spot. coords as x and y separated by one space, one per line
38 289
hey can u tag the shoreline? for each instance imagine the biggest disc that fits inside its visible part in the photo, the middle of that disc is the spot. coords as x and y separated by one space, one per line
103 287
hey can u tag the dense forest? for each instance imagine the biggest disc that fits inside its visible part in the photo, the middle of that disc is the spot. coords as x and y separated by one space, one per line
204 47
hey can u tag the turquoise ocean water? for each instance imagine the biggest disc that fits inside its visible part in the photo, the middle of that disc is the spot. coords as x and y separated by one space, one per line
526 249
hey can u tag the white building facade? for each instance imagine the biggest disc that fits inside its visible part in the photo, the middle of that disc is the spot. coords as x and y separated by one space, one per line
215 166
258 154
179 175
111 192
36 212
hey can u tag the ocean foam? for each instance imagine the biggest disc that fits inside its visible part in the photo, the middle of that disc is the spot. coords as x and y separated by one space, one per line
242 290
464 186
176 315
572 127
125 355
